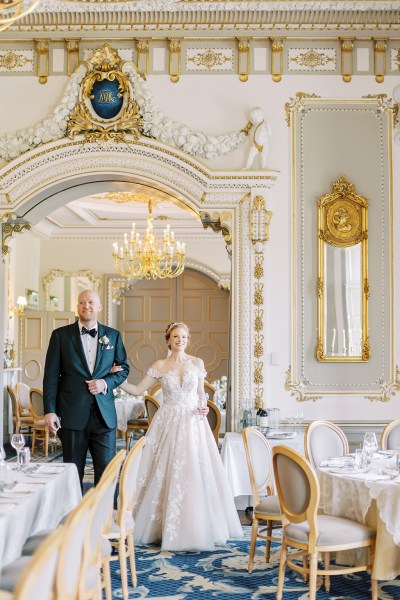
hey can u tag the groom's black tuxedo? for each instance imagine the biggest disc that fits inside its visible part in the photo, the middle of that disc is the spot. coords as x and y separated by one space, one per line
65 391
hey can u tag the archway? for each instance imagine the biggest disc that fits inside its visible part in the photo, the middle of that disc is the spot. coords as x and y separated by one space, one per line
48 177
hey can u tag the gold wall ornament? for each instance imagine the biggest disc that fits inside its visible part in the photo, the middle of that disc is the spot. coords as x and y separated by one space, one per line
260 219
312 59
106 110
387 390
11 60
347 59
342 282
385 104
258 348
42 49
143 47
72 46
216 222
174 60
277 59
209 59
9 228
244 64
298 388
380 46
14 10
296 104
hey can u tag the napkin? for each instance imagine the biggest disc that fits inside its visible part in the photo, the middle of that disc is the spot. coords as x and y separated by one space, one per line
48 470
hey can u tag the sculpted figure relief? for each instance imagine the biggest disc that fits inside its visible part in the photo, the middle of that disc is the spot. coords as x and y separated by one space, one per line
260 145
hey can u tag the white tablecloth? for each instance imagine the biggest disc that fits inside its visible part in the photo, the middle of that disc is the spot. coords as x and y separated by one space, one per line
128 408
42 509
234 458
372 499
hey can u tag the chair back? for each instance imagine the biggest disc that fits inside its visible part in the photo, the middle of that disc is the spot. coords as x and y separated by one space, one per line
214 419
71 552
323 440
298 488
38 580
152 406
14 403
390 439
127 484
22 390
37 405
209 389
114 463
259 462
156 392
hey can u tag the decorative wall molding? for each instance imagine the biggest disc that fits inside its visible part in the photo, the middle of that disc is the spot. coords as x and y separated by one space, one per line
209 59
387 389
311 59
21 61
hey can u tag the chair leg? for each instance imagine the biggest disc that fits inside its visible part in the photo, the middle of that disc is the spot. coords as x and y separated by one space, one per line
105 567
46 443
254 531
268 544
313 576
305 567
327 563
131 551
122 564
33 441
281 577
374 589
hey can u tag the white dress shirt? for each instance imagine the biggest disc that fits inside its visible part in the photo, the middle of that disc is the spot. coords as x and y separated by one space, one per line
90 345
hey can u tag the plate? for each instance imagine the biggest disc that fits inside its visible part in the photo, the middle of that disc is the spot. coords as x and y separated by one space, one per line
344 470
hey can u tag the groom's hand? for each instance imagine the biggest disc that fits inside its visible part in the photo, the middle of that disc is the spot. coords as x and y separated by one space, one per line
52 422
97 386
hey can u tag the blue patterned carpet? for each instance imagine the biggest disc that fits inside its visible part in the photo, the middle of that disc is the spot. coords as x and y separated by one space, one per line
222 574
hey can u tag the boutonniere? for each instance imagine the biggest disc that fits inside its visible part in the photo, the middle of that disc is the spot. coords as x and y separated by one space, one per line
105 342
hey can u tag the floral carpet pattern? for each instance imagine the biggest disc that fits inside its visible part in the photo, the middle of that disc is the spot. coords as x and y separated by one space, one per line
223 575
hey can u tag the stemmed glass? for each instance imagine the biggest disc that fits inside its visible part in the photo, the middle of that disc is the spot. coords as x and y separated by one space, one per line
18 442
2 455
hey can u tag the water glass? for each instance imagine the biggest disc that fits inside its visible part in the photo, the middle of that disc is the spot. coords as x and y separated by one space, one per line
23 457
359 458
2 454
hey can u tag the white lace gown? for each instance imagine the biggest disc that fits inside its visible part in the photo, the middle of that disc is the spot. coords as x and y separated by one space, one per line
184 501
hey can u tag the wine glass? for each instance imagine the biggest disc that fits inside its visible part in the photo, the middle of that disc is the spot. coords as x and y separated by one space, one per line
2 455
18 442
370 445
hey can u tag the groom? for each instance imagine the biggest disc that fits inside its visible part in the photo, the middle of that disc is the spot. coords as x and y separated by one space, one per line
78 386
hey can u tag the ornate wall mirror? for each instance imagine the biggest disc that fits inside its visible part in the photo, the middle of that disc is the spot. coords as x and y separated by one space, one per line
343 287
61 288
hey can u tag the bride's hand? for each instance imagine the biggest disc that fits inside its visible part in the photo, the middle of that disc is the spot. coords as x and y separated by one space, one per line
203 410
115 368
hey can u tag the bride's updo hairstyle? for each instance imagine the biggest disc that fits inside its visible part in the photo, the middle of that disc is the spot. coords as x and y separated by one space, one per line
173 326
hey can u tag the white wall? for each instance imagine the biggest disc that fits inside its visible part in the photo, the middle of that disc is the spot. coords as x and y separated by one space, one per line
217 105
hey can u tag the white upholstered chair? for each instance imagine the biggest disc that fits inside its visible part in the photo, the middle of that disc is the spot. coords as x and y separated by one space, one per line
266 509
214 419
310 532
323 440
152 405
390 439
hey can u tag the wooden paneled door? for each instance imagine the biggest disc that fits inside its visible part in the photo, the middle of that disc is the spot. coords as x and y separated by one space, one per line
36 329
193 298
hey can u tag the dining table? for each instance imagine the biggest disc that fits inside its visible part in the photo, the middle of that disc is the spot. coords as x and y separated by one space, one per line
33 499
234 457
128 407
370 496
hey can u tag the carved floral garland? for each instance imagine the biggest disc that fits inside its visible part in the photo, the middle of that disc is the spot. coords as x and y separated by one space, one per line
155 124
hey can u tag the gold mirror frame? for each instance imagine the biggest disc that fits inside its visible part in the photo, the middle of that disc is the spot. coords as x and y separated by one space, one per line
47 279
342 222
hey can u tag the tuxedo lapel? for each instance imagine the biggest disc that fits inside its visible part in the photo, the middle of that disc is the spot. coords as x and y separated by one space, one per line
100 347
76 340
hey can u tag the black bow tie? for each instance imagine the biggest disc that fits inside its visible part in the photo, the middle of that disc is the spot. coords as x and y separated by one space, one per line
92 332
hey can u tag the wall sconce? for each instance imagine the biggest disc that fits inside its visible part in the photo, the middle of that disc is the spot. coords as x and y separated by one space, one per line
260 219
18 310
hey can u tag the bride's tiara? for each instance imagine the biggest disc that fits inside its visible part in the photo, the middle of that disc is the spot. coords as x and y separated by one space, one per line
175 324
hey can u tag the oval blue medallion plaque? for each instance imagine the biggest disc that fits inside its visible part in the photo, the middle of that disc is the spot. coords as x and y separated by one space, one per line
106 102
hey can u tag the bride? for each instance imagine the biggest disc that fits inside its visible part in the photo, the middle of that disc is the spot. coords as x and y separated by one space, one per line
183 500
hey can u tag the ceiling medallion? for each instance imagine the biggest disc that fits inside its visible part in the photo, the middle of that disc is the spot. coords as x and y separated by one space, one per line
106 111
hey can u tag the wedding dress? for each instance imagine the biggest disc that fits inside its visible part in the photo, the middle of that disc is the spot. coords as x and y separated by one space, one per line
183 497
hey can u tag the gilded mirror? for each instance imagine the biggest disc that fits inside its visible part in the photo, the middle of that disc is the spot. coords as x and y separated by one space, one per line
343 287
62 288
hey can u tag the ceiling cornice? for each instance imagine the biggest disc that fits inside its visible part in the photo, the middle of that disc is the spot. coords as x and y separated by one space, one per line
199 15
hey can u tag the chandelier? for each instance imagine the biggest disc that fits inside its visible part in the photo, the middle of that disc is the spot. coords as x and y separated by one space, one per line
12 10
151 258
